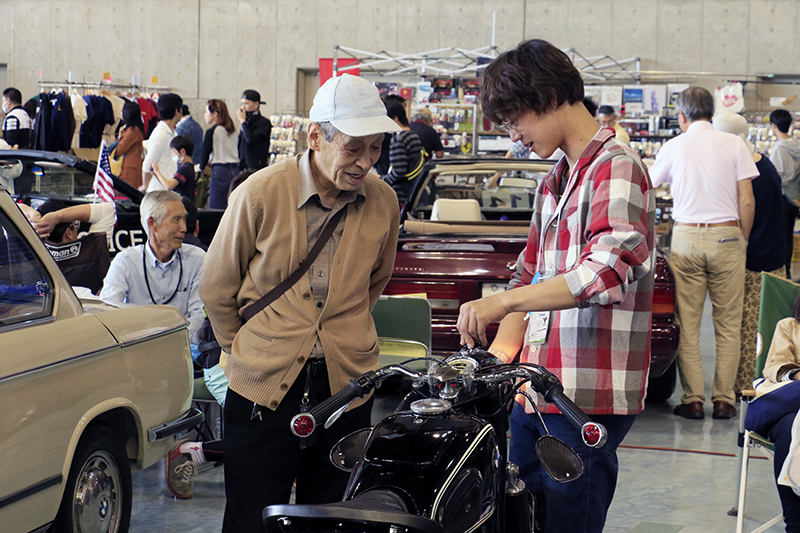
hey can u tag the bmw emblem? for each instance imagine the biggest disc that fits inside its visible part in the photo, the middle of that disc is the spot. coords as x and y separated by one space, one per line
102 511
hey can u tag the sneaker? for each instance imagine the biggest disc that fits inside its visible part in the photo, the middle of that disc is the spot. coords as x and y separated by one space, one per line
180 471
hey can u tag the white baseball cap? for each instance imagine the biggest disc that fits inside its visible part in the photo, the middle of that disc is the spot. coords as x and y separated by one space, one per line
353 105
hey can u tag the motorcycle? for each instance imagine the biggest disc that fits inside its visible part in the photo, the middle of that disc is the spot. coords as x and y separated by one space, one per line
439 464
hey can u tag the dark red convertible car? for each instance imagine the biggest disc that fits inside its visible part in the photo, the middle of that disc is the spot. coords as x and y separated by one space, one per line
460 241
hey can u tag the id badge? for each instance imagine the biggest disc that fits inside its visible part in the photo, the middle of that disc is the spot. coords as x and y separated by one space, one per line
538 321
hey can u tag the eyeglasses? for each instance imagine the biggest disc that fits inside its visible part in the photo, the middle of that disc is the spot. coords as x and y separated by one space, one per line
508 126
76 225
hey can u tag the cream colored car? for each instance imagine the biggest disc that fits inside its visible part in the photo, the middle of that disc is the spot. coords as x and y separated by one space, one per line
87 393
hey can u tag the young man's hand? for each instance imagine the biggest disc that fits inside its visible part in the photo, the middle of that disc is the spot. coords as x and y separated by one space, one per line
241 115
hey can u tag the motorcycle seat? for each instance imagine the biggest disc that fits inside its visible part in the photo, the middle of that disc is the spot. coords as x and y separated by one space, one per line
363 509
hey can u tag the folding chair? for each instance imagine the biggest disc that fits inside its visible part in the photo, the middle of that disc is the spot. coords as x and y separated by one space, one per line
777 300
404 329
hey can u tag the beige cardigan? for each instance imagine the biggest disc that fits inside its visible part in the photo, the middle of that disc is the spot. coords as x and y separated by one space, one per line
784 352
261 239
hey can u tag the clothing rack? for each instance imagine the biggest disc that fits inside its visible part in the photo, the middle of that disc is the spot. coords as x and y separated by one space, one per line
103 85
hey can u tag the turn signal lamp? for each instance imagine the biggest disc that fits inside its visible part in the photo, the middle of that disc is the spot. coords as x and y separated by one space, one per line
303 424
594 434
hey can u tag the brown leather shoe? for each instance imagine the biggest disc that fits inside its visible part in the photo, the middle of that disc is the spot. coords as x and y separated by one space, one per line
723 410
692 410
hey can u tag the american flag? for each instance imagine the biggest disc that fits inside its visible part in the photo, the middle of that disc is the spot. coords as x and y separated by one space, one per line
103 183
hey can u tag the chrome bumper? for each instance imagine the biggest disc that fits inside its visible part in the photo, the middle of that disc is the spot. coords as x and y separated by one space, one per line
185 422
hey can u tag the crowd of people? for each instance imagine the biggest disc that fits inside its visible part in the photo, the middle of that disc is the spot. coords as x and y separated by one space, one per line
579 301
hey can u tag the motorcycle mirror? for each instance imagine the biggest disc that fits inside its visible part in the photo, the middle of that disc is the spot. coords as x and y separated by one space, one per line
350 449
560 461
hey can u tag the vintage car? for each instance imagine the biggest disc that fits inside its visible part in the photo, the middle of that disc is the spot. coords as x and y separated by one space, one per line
33 176
88 392
460 241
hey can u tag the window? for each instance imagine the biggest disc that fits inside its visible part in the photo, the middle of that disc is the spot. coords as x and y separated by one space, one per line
26 289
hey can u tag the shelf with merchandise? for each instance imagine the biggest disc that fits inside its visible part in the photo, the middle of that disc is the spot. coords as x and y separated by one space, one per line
288 136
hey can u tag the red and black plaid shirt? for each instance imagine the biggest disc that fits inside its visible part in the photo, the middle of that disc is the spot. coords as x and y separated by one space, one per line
599 233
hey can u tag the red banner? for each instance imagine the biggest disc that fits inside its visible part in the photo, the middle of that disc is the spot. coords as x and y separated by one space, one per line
326 67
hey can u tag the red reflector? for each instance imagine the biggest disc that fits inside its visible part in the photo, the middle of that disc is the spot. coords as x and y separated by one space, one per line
303 425
594 435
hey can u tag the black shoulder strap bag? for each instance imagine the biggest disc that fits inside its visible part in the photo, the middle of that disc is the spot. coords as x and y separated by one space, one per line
209 347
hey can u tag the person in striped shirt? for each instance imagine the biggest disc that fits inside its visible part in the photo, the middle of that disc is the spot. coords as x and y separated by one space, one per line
406 155
580 301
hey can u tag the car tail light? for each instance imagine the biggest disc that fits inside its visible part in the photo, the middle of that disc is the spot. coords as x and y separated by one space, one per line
303 424
594 435
663 301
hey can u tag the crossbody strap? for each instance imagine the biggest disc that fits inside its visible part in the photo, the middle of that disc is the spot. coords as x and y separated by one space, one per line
295 276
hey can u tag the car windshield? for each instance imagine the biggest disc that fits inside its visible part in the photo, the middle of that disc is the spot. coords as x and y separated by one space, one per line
479 191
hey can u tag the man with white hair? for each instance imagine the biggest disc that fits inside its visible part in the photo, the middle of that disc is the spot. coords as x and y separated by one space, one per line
161 271
318 334
765 248
709 173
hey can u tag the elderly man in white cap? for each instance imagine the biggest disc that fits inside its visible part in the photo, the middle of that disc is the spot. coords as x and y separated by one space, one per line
318 333
765 249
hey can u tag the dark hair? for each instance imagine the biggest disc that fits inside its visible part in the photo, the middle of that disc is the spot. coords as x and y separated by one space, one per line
397 111
182 142
30 107
191 214
534 76
51 206
13 95
239 178
782 120
221 109
390 99
185 110
606 110
168 104
590 106
695 103
132 115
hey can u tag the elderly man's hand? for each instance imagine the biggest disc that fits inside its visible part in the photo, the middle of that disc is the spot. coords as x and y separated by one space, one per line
475 316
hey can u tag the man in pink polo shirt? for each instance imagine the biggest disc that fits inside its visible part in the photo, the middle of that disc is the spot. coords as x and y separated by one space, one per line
709 173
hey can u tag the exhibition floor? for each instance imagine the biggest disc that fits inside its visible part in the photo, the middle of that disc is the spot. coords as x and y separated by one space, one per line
675 475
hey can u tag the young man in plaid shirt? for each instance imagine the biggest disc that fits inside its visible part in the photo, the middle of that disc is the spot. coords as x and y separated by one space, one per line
581 298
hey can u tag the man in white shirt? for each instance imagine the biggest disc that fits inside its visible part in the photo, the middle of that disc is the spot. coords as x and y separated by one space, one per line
709 173
160 271
158 150
785 156
607 118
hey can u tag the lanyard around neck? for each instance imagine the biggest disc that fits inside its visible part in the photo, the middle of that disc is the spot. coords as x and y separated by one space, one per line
147 280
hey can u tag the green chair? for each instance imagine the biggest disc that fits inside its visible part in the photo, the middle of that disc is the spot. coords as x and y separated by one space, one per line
205 401
404 330
777 302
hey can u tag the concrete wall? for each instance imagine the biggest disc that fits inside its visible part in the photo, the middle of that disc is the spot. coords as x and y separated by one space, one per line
216 48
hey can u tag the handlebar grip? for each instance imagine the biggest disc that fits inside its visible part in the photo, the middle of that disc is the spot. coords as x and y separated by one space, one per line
566 406
324 410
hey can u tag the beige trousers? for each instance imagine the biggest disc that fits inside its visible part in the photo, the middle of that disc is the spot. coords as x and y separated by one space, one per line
709 260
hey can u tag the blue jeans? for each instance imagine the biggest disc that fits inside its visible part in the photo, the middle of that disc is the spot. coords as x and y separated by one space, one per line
221 176
781 435
578 506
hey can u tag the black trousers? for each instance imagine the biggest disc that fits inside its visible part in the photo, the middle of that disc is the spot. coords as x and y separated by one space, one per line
263 458
791 211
